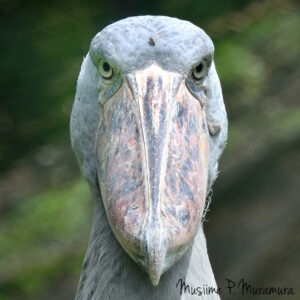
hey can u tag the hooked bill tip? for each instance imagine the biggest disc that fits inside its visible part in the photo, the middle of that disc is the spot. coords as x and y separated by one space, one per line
155 266
155 253
154 279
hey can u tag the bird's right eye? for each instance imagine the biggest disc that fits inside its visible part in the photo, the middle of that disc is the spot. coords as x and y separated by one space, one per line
200 70
105 69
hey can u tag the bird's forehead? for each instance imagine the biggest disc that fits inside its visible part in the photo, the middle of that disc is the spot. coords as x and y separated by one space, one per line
136 42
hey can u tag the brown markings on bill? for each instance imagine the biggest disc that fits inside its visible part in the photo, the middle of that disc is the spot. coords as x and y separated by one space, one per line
186 167
123 182
154 120
166 120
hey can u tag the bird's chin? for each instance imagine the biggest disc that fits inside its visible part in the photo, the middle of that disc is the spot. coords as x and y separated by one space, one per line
152 161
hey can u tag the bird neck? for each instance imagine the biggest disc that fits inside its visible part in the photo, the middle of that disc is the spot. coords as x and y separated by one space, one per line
109 273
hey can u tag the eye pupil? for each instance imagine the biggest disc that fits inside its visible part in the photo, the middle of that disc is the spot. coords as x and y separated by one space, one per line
199 68
106 67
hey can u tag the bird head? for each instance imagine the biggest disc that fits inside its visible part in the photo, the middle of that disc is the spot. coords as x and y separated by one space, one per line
148 126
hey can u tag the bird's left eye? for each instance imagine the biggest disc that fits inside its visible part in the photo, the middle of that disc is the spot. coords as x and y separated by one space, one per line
200 70
105 69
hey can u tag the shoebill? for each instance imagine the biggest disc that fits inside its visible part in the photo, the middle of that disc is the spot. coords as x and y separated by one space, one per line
148 126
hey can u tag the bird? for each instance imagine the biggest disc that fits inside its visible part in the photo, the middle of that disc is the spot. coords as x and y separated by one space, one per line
148 126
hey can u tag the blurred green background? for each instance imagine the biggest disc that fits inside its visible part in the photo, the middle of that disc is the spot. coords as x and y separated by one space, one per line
45 205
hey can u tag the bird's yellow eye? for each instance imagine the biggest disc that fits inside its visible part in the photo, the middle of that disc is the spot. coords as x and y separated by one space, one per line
105 69
200 70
